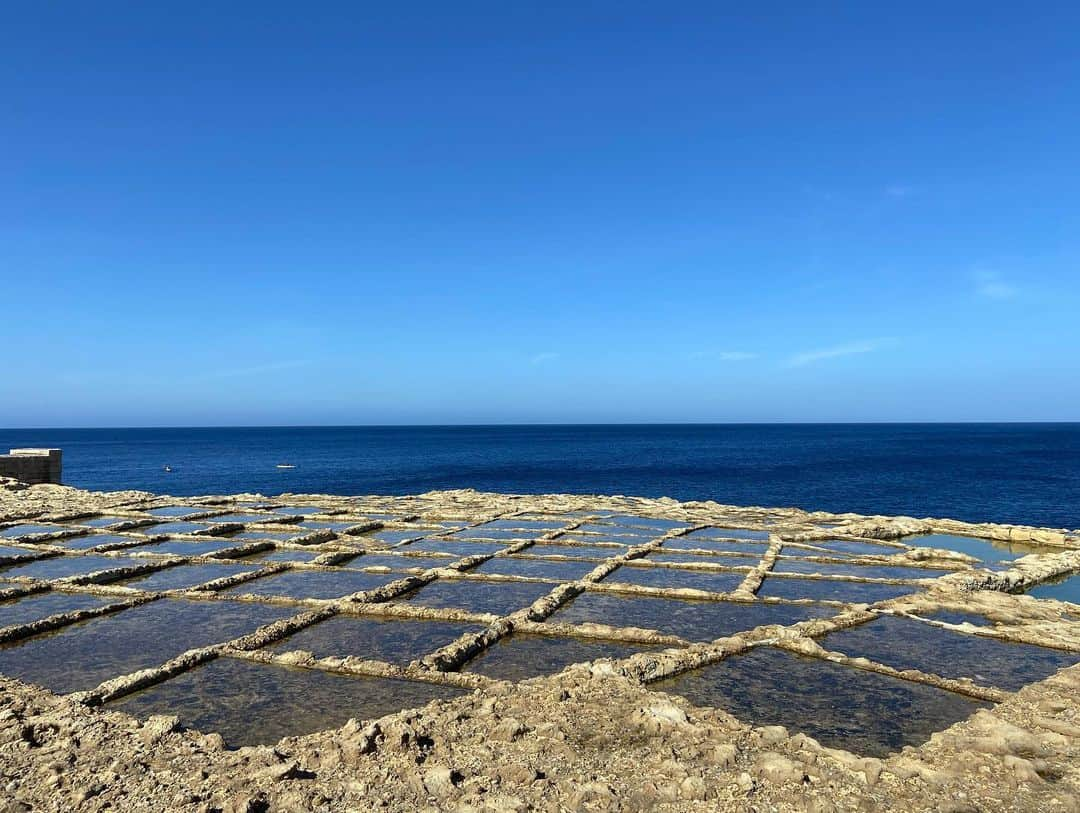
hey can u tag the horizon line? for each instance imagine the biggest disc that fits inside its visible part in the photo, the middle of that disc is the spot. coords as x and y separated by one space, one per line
512 425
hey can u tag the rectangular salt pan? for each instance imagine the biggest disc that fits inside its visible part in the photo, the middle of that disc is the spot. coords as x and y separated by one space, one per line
673 577
180 547
692 620
81 656
321 584
519 657
536 568
841 707
258 704
41 605
182 577
1061 589
393 640
497 598
94 540
15 531
62 567
810 566
575 551
906 644
832 590
171 528
178 511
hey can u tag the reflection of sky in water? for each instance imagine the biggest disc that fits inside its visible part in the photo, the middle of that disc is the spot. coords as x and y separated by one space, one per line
1066 588
258 704
986 550
906 644
842 707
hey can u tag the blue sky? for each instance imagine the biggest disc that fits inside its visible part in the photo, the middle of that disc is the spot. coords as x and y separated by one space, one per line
257 213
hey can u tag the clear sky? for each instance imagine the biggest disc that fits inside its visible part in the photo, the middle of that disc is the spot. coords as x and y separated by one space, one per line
269 213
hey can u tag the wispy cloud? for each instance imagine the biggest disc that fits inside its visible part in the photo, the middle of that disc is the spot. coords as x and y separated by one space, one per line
991 285
724 355
899 190
837 351
543 358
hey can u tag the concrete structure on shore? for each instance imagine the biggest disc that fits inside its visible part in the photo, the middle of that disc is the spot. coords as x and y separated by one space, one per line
33 465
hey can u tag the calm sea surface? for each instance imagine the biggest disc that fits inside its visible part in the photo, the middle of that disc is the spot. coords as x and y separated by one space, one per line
1027 473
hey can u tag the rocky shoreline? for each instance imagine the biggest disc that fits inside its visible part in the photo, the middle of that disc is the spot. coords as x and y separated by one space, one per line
591 737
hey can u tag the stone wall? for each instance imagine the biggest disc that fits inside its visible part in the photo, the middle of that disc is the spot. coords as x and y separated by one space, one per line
32 465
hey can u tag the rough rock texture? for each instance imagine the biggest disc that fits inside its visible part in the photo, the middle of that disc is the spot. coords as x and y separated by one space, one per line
593 737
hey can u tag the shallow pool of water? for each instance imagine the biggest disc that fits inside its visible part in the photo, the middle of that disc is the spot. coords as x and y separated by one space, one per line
715 545
906 644
284 555
986 550
631 536
673 577
682 558
841 707
178 511
532 526
8 550
630 520
180 547
93 540
832 589
171 528
537 568
458 549
1066 588
61 567
258 704
83 655
394 640
323 584
298 510
394 536
244 518
717 532
497 598
692 620
858 571
856 548
183 577
100 522
42 605
575 551
397 561
520 656
16 531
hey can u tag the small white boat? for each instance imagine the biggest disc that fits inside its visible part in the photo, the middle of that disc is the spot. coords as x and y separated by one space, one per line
286 466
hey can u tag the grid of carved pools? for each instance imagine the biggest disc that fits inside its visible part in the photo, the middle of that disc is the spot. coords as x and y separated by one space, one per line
262 620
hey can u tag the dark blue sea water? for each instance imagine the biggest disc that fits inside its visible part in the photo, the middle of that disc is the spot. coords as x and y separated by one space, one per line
1027 473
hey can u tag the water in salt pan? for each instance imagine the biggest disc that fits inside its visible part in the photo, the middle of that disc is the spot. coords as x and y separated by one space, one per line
394 640
41 605
258 704
841 707
691 620
832 589
906 644
322 584
497 598
81 656
520 656
536 568
673 577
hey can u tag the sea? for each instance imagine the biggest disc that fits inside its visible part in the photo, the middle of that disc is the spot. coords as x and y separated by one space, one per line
1021 473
